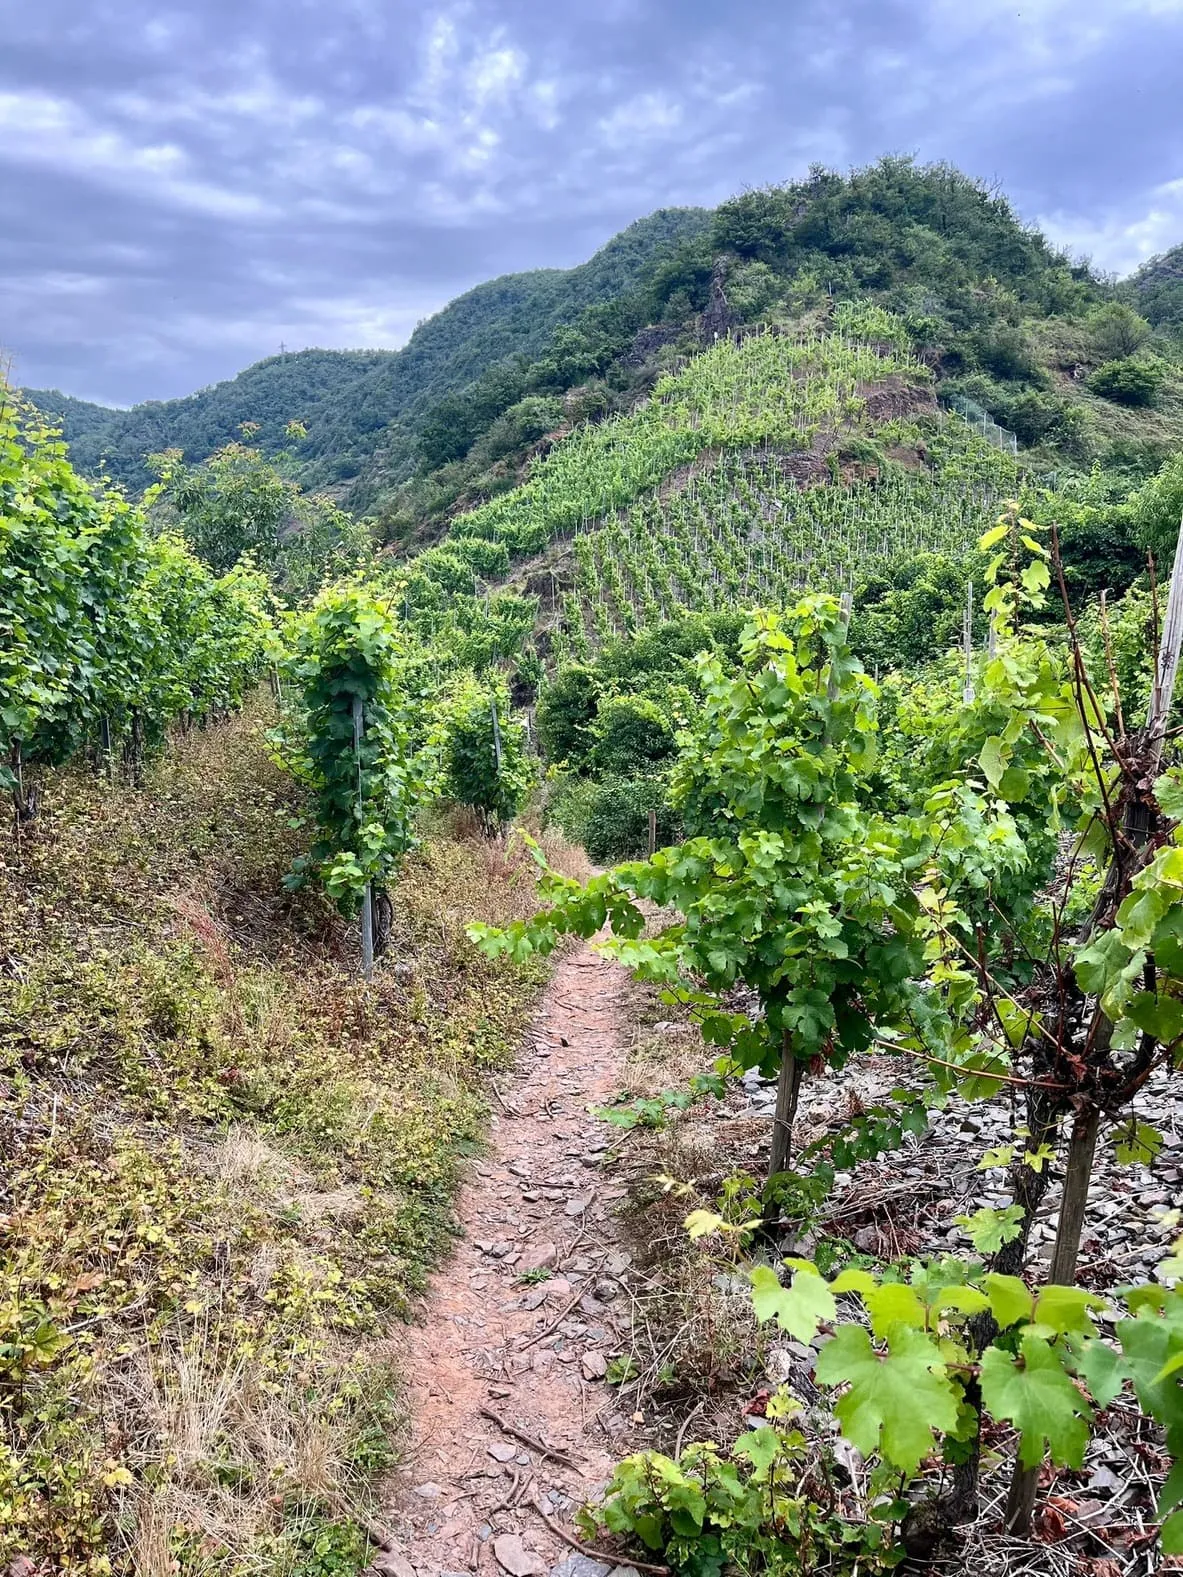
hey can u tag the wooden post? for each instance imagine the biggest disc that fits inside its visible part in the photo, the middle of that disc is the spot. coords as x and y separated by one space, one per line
1167 669
367 900
967 638
496 736
652 833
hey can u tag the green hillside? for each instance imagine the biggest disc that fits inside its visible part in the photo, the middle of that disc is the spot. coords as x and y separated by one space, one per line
1014 333
1157 290
348 399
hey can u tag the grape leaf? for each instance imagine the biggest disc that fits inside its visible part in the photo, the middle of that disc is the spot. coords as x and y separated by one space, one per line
895 1402
1033 1392
1168 791
1101 1370
893 1303
1010 1299
760 1446
798 1309
1136 1142
988 1230
1066 1309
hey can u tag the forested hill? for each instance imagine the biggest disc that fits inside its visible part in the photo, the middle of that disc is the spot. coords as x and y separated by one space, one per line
348 399
1157 290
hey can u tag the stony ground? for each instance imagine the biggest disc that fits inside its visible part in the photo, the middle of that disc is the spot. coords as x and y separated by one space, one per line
513 1423
907 1201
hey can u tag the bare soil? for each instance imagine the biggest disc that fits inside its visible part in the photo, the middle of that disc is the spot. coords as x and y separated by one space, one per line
509 1406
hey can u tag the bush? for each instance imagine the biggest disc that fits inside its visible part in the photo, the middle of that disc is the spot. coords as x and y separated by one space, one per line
631 733
1127 382
618 817
474 773
566 711
610 817
1117 332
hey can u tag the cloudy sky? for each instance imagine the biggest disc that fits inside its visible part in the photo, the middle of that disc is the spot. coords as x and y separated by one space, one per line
187 184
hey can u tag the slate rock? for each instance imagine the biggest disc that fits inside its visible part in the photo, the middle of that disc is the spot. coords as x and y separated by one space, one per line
513 1557
581 1566
391 1564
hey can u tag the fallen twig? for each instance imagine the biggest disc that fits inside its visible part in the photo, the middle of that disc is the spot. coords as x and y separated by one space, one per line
507 1500
553 1326
586 1549
529 1440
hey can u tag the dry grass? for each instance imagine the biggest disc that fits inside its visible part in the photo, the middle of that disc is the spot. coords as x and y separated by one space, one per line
227 1162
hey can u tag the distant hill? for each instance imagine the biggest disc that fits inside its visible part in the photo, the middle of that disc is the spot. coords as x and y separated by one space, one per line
1157 290
347 399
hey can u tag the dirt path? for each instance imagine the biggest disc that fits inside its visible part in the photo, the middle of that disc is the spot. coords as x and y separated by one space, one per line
499 1335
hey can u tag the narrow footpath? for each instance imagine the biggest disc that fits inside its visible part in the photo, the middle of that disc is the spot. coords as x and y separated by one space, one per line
512 1424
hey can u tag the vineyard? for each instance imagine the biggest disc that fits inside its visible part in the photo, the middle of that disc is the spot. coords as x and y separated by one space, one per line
744 533
108 635
270 928
768 388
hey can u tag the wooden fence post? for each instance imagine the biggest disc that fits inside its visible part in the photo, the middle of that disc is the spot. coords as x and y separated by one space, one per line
367 901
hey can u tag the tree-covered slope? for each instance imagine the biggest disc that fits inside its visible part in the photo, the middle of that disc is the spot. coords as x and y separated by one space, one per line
1157 290
346 399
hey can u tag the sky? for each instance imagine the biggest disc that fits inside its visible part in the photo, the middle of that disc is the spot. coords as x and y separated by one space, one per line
188 185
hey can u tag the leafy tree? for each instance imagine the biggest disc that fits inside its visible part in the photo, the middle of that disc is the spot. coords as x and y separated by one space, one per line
1116 331
236 503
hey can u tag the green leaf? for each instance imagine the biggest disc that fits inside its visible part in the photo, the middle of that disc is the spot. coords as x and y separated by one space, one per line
1010 1299
969 1300
1168 791
988 1230
1172 1535
894 1303
799 1308
990 538
993 761
895 1401
760 1446
1064 1309
1136 1143
1101 964
1033 1392
1101 1370
1161 1017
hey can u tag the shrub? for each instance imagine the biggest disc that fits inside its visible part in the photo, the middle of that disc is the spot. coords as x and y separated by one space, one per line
610 817
617 825
1127 382
566 711
631 733
1116 331
485 764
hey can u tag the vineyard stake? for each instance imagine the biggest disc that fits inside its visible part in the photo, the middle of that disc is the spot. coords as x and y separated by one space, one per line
367 900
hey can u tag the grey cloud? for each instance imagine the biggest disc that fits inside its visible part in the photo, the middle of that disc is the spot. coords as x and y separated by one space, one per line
182 186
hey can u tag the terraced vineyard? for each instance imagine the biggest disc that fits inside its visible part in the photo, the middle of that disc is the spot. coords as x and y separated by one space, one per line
766 389
744 532
760 467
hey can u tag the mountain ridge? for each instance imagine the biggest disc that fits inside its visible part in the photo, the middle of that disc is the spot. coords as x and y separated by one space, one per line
345 397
